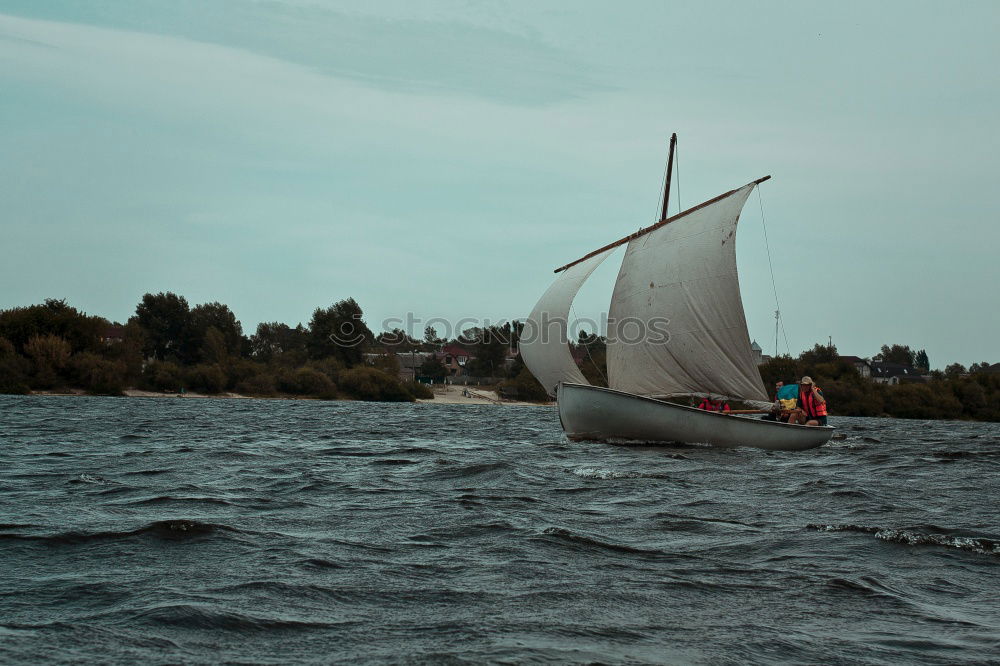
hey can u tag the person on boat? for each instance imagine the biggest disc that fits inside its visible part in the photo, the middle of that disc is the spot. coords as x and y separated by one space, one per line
710 405
812 404
786 400
776 407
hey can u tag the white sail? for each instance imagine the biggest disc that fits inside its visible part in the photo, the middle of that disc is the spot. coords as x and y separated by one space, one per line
677 324
544 341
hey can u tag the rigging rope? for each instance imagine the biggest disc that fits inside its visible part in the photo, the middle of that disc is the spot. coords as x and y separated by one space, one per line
659 199
774 285
677 167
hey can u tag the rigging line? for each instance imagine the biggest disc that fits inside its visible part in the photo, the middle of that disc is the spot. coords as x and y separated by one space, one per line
659 199
677 167
774 285
587 347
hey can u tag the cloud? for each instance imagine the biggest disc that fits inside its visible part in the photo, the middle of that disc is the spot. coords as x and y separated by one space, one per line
452 53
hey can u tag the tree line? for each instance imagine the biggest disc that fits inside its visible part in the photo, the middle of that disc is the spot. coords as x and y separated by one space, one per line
169 346
172 347
955 393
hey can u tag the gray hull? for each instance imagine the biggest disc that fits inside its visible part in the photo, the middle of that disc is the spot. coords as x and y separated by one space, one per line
595 413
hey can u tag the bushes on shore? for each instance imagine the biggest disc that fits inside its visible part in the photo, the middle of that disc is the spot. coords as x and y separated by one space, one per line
364 383
171 347
974 396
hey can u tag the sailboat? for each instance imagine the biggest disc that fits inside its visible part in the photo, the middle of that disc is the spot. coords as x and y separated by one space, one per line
676 330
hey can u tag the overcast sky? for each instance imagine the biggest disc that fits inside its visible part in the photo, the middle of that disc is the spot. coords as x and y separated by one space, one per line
441 158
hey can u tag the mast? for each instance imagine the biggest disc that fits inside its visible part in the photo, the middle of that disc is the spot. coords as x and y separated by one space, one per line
670 171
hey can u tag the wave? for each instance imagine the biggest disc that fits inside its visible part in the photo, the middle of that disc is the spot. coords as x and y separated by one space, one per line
560 535
949 456
166 530
374 452
168 499
206 617
910 537
465 471
606 474
667 516
318 563
91 478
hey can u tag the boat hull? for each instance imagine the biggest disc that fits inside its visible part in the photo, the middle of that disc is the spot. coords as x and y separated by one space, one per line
596 413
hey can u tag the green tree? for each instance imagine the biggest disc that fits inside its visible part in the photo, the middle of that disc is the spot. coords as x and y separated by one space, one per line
487 349
49 354
900 354
54 317
274 339
525 387
207 316
592 350
954 370
431 339
14 369
98 375
165 320
921 361
433 369
366 383
397 341
214 347
339 331
819 354
780 368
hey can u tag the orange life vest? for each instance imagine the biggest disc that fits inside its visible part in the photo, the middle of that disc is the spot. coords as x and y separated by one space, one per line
713 406
811 406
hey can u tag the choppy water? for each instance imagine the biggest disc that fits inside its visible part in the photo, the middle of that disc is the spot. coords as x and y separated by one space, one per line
206 531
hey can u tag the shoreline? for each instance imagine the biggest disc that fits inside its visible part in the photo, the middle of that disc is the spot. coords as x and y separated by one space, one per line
448 394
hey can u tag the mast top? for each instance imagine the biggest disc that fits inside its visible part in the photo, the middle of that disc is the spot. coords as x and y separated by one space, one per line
670 171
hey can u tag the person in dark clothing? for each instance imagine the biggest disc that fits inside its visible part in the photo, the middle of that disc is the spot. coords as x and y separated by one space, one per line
776 407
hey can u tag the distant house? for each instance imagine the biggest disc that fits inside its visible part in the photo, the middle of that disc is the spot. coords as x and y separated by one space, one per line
894 373
410 364
113 334
863 366
455 358
758 353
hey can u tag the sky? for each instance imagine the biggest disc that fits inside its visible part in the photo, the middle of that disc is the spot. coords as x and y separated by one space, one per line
436 160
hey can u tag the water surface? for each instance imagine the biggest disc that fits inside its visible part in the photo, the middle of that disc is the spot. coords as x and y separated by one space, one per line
261 531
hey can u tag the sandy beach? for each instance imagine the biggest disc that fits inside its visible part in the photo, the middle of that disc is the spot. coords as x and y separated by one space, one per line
443 395
449 394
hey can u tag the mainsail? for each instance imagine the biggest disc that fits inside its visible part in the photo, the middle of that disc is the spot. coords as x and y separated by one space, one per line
544 344
680 278
676 324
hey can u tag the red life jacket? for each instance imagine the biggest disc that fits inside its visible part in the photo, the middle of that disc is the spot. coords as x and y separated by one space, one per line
712 406
811 406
